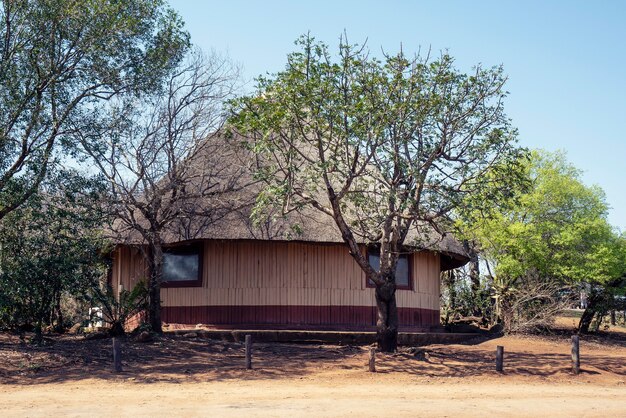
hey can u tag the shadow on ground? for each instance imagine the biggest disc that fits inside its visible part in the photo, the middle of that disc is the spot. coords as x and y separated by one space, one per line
444 362
176 360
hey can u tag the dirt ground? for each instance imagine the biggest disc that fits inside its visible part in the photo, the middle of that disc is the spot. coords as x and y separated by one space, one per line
193 377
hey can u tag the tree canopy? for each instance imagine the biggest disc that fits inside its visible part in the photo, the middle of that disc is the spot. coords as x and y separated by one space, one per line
387 148
60 62
551 241
50 250
558 228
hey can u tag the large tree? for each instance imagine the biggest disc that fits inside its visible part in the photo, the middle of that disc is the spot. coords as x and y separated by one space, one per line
555 236
60 62
169 172
387 149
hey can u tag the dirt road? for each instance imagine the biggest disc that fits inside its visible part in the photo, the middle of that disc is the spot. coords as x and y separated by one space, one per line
312 398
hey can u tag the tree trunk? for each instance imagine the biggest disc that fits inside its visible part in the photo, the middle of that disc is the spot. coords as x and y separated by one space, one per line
474 274
474 266
449 279
59 313
387 323
585 320
156 272
595 307
450 282
38 337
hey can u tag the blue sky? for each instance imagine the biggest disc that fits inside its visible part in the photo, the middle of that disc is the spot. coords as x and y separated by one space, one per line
566 60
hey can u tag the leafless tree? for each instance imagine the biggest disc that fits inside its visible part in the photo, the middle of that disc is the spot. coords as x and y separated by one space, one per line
533 304
170 173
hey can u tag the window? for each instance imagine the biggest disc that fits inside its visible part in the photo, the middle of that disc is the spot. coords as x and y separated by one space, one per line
403 270
182 266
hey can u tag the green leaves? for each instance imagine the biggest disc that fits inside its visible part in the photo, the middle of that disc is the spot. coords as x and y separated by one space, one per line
400 140
117 311
61 62
48 250
557 228
392 149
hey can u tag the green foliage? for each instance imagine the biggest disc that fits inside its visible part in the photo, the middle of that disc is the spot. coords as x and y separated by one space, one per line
558 229
388 148
548 242
61 61
379 144
116 311
48 251
460 300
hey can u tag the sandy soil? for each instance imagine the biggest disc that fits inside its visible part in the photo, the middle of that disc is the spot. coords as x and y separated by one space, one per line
191 377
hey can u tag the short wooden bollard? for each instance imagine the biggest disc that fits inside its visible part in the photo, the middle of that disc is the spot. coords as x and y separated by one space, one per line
117 355
248 351
372 364
499 358
575 354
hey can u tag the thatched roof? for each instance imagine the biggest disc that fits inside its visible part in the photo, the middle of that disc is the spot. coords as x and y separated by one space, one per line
231 218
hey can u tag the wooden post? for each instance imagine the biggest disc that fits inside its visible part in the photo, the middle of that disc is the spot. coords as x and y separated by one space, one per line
248 351
372 360
575 354
117 355
499 358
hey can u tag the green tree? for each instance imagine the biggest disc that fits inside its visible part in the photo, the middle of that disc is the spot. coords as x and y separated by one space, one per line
386 148
555 234
49 250
609 293
61 61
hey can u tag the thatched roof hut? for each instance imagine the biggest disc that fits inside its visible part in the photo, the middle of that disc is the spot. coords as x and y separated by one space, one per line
290 271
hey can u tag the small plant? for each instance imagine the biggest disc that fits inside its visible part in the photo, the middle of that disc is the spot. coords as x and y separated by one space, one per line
116 311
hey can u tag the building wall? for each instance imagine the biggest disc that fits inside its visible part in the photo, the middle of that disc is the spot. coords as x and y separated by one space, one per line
287 284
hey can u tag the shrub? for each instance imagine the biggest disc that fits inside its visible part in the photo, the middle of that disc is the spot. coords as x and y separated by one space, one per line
117 311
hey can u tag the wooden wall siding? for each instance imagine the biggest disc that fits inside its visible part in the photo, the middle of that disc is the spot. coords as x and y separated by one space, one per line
262 273
270 274
128 268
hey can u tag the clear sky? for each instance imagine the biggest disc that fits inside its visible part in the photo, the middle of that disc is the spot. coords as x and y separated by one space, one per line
566 60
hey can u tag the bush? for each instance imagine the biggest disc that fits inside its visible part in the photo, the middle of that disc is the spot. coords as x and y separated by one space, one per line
459 300
49 251
532 305
116 312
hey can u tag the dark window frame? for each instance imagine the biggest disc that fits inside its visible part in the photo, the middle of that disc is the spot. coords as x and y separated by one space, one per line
409 259
188 249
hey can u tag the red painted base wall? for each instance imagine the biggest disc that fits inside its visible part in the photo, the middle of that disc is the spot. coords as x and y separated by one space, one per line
296 317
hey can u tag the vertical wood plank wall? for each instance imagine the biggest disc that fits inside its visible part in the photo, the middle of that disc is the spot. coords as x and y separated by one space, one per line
286 283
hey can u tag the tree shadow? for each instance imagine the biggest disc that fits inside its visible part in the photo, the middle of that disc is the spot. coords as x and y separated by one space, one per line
450 362
179 360
166 359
